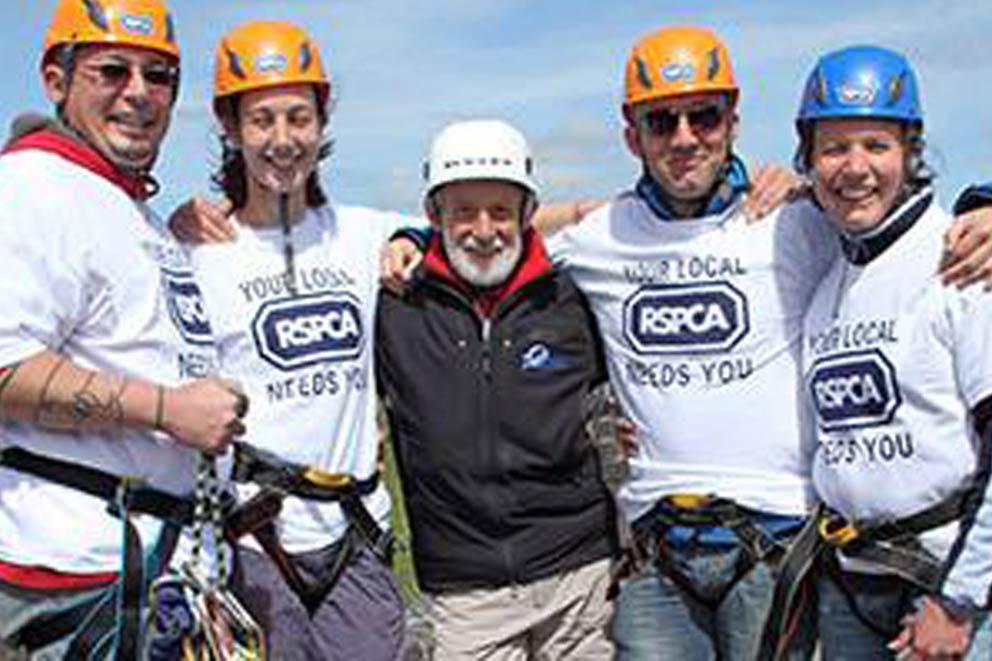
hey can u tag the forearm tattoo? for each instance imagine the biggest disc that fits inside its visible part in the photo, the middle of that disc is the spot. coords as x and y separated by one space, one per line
97 403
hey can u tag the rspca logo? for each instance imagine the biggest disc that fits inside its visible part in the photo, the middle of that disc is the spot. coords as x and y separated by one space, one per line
305 330
270 63
854 390
138 24
694 318
185 304
678 71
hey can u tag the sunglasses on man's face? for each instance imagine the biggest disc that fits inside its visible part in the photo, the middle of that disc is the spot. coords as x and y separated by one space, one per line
117 74
664 122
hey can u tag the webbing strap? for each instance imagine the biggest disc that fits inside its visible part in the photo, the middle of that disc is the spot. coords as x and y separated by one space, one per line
717 513
124 496
117 491
694 511
794 568
887 544
266 469
947 510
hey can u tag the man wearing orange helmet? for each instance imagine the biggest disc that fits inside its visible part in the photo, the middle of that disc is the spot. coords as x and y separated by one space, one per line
701 315
103 342
292 299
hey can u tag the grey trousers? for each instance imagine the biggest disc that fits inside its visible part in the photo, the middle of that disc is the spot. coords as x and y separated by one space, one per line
362 617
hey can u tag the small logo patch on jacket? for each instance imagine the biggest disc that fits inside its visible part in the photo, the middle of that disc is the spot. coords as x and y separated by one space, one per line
540 356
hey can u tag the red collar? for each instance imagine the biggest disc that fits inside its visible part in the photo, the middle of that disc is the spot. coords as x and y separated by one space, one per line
533 263
83 155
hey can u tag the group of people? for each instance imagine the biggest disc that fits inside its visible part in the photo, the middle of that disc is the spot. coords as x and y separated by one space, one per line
806 396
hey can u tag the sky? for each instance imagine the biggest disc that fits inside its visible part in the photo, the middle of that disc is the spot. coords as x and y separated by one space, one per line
402 69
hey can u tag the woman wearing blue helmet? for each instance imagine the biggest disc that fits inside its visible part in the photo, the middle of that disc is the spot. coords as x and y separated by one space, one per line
897 372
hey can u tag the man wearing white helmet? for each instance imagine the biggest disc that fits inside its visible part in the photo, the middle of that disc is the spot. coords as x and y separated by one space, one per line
484 366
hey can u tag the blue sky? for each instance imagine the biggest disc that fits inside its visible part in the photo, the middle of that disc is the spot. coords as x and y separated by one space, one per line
401 69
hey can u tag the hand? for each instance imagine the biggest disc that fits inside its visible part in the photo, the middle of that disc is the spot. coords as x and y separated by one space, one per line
771 186
398 259
624 430
206 414
932 633
626 438
968 250
201 221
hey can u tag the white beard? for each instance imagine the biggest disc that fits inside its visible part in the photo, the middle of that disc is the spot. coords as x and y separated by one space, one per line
500 266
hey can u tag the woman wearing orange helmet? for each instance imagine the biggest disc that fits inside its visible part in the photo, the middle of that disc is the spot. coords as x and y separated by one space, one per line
293 298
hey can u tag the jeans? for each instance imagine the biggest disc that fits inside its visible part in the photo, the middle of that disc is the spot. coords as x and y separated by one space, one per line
656 619
882 601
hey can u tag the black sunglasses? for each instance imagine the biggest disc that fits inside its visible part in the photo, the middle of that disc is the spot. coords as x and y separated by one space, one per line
664 122
116 74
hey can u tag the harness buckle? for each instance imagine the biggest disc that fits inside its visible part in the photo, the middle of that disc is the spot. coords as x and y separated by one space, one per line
837 531
335 481
689 501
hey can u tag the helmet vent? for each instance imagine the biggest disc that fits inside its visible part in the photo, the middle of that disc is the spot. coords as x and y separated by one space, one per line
306 59
642 73
234 64
97 15
896 88
712 64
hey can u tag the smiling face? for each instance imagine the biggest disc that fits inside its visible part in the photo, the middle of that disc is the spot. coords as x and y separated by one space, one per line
684 142
118 98
480 225
859 168
279 134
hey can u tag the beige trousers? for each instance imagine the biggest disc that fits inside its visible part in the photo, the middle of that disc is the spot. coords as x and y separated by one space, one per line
565 616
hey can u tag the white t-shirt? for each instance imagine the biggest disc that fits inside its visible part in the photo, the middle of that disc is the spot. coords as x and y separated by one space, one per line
894 362
93 275
305 361
701 321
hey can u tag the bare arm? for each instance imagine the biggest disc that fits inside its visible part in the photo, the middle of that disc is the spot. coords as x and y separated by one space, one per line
50 390
554 216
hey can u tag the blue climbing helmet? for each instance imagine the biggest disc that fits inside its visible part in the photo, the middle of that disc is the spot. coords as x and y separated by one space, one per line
867 82
861 81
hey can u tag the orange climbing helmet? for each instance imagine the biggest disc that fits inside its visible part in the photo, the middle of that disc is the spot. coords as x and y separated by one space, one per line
676 61
141 23
261 54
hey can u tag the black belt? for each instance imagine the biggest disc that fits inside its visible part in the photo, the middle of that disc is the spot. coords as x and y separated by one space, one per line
266 469
889 544
124 496
121 493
